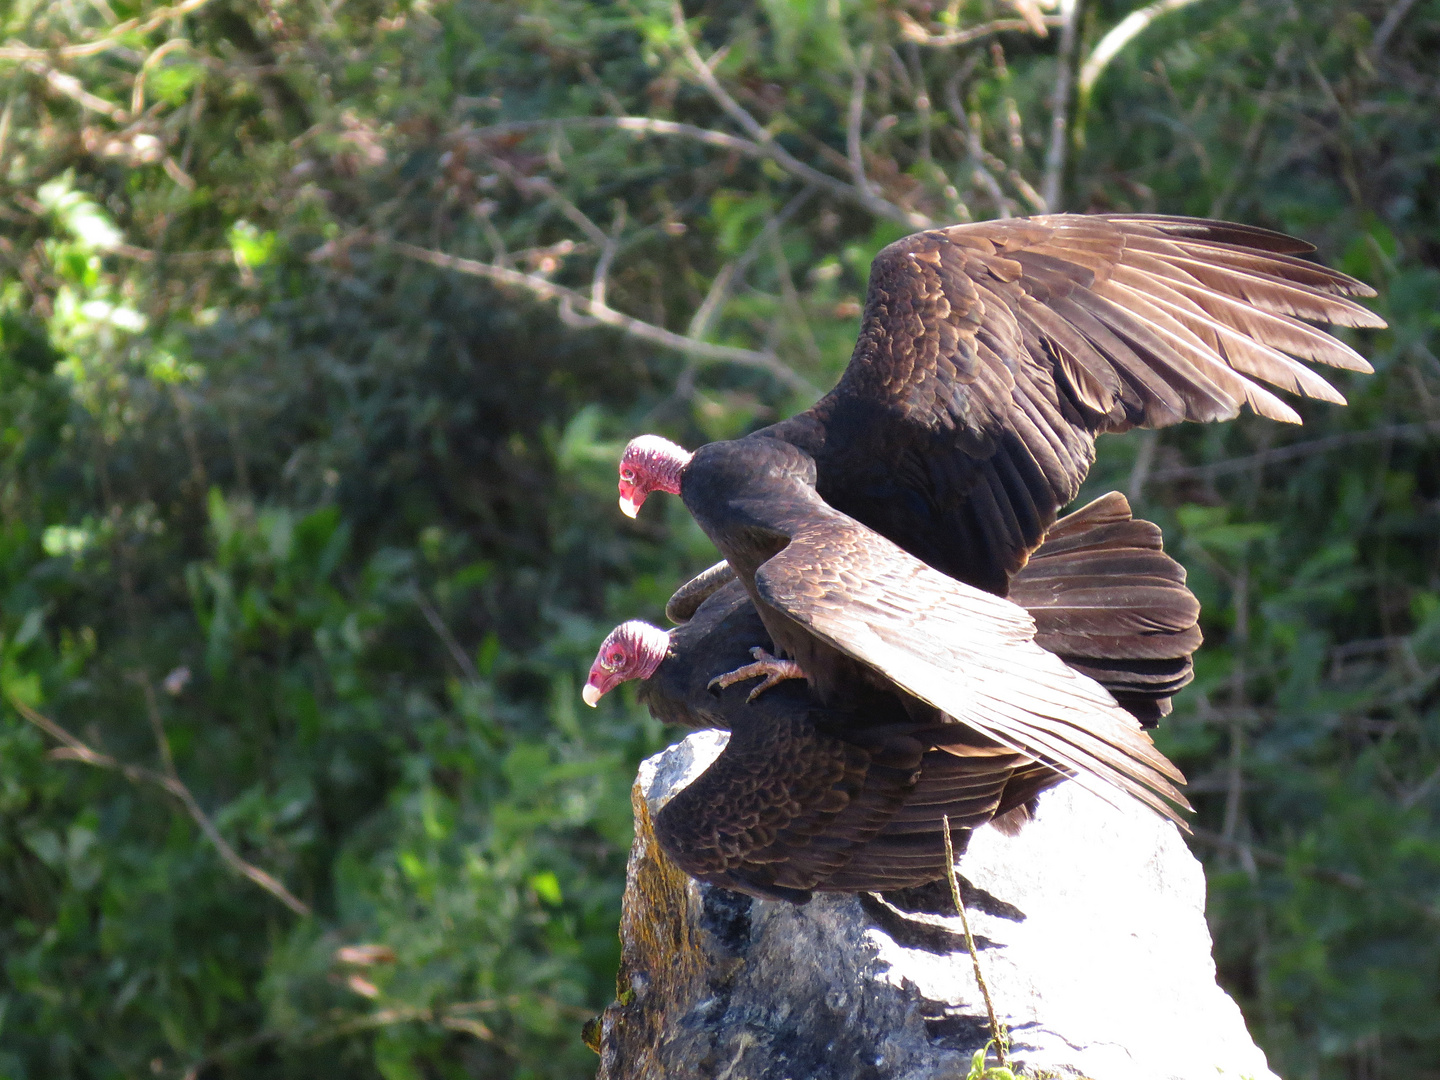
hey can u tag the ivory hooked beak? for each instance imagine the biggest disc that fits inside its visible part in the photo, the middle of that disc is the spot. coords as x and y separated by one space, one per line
590 693
628 506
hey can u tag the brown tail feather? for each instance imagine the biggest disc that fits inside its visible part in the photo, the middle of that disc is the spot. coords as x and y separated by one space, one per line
1108 601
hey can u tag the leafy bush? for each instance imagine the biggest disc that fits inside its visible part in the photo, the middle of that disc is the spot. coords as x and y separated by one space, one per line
314 365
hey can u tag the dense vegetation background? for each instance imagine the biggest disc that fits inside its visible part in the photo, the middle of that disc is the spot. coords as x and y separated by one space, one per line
313 374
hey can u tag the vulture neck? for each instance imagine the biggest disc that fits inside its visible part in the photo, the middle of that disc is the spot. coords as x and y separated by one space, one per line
751 496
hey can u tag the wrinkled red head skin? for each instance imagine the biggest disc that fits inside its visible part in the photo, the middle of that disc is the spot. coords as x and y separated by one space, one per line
633 650
649 463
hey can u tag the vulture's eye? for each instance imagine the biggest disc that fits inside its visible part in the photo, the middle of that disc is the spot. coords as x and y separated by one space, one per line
612 660
628 475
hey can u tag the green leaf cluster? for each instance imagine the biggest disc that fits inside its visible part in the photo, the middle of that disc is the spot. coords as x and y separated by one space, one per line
322 530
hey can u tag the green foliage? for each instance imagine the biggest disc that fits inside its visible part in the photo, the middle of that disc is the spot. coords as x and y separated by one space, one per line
979 1070
325 534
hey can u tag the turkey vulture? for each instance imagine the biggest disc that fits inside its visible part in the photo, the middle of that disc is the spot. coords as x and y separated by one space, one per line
991 355
850 797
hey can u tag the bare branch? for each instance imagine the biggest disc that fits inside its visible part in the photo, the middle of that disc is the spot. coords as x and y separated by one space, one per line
157 724
1060 106
545 186
1033 197
5 118
599 283
218 256
773 150
766 149
982 175
913 75
71 87
1144 460
179 175
1353 882
1120 35
732 272
459 655
1030 11
855 117
608 243
715 296
76 750
998 1034
111 40
911 30
644 125
575 304
790 296
1399 432
484 212
1389 25
137 94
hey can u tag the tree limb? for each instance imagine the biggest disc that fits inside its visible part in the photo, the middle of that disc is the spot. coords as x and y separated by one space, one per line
1401 432
911 30
575 305
973 144
1353 882
111 40
73 749
1120 35
72 88
1389 25
442 631
763 138
1060 107
855 117
734 271
645 125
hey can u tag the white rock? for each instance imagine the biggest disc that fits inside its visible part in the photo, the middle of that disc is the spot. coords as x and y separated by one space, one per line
1089 924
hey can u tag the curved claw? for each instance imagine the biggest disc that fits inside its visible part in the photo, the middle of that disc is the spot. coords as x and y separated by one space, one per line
772 668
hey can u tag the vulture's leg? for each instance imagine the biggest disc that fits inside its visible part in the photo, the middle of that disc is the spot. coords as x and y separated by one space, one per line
773 668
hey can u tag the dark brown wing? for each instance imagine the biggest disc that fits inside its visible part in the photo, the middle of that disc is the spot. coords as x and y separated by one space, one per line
785 805
990 355
968 653
1104 596
686 600
1109 602
763 818
910 849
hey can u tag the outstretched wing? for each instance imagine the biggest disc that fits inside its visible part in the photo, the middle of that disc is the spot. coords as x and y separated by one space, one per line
990 355
966 792
970 654
785 805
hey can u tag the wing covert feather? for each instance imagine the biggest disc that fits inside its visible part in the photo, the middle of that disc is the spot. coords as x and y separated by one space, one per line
1012 344
785 805
966 652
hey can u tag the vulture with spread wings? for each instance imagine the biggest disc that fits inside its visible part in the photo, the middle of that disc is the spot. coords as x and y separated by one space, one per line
878 532
851 798
991 355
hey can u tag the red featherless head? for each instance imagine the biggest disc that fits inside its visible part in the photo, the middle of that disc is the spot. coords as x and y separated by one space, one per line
649 463
633 650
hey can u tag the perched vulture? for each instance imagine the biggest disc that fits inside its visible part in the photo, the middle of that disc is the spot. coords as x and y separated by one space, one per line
991 355
850 797
878 532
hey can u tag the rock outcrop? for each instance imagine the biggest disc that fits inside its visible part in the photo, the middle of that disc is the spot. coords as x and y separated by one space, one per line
1089 924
